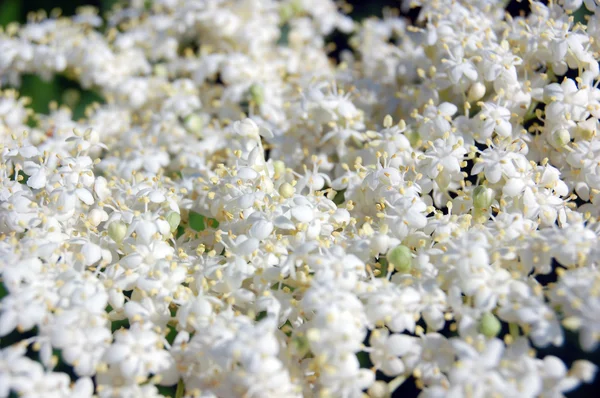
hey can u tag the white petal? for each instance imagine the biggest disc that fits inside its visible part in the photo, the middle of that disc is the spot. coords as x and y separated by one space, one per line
28 151
83 388
247 246
8 322
246 201
513 187
91 252
116 353
157 197
400 344
283 223
145 231
493 173
302 213
554 367
85 196
261 230
37 180
246 173
131 261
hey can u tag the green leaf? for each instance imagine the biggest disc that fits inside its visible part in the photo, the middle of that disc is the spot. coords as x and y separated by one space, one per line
580 14
363 359
10 10
3 291
116 325
197 221
172 334
167 391
339 197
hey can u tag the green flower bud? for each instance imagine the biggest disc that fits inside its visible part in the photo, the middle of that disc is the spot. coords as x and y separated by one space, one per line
173 218
483 197
117 231
257 94
489 325
401 258
279 168
286 190
194 123
161 70
560 138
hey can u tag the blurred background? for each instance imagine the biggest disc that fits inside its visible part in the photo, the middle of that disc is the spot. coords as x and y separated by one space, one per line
65 91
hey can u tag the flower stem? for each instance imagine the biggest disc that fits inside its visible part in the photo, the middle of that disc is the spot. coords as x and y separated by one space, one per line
513 328
180 389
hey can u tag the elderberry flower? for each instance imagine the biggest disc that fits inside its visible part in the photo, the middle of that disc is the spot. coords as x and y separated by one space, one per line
244 212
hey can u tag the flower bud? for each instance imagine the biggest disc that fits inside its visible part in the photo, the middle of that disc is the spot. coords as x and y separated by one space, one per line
279 168
286 190
173 218
257 94
483 197
401 258
160 70
117 231
476 92
379 389
388 121
560 138
489 325
194 123
584 370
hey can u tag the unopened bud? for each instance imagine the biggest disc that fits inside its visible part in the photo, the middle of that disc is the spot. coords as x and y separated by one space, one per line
476 92
257 94
379 389
286 190
117 231
401 258
489 325
173 218
483 197
387 121
560 138
279 168
194 123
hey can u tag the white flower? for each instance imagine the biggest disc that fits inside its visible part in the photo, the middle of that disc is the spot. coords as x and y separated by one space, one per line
281 214
137 352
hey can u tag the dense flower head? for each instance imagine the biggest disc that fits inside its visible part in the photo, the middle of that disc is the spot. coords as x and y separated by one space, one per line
243 216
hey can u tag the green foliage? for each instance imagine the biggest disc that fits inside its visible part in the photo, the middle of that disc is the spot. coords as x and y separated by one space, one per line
198 222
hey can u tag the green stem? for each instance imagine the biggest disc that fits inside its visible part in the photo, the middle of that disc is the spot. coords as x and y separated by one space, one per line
180 389
513 328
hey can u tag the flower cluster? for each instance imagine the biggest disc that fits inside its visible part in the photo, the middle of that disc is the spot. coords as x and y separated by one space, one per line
243 216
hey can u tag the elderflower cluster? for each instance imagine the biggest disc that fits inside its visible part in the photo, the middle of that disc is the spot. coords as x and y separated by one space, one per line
244 216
